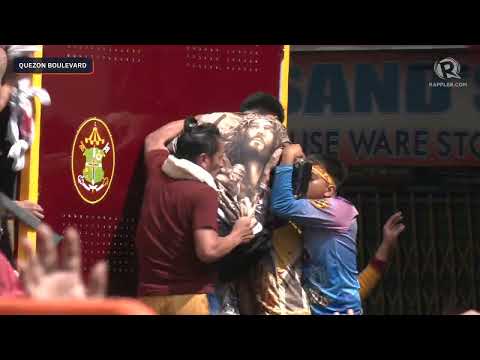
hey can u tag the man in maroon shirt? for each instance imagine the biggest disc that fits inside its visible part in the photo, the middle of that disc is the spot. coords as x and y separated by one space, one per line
177 234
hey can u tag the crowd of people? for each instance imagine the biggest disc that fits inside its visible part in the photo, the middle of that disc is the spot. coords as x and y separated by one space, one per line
221 229
239 241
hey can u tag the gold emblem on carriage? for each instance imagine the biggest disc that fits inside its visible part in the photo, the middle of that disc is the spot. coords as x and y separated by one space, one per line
93 160
93 178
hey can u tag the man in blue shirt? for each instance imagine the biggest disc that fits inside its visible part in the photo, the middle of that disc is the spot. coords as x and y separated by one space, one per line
330 276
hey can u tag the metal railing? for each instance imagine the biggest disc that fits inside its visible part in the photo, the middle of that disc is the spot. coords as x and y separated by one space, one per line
436 268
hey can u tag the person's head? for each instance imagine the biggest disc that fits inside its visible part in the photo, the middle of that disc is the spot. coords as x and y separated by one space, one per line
238 173
259 135
263 104
328 175
201 144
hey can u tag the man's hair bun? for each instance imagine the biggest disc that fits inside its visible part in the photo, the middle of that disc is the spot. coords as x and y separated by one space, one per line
190 124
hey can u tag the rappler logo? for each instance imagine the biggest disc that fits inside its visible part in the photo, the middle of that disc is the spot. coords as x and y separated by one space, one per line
93 160
447 68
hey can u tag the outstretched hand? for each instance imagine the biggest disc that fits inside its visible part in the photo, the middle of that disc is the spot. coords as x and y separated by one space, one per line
46 275
393 228
291 153
391 231
35 209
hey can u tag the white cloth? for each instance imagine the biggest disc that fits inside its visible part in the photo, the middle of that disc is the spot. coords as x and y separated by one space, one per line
21 127
14 51
184 169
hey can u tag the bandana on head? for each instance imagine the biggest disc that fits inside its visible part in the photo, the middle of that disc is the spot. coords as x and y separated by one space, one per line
322 173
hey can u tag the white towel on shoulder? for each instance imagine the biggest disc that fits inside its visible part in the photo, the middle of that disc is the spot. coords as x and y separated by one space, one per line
184 169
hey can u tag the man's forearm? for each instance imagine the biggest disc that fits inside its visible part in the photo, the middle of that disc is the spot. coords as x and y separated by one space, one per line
384 251
222 246
228 243
283 200
287 159
160 137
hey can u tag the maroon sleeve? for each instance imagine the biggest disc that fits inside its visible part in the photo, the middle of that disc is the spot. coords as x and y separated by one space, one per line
9 282
154 159
205 207
378 264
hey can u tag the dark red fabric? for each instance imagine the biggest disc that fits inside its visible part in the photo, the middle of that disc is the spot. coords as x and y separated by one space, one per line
380 265
171 211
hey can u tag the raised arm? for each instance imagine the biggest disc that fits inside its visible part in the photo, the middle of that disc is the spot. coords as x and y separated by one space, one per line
158 139
284 204
336 215
370 277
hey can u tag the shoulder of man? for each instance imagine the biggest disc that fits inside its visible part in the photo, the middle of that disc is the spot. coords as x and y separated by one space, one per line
337 206
156 158
200 190
345 203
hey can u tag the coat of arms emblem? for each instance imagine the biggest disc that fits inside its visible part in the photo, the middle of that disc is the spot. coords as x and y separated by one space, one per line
93 160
